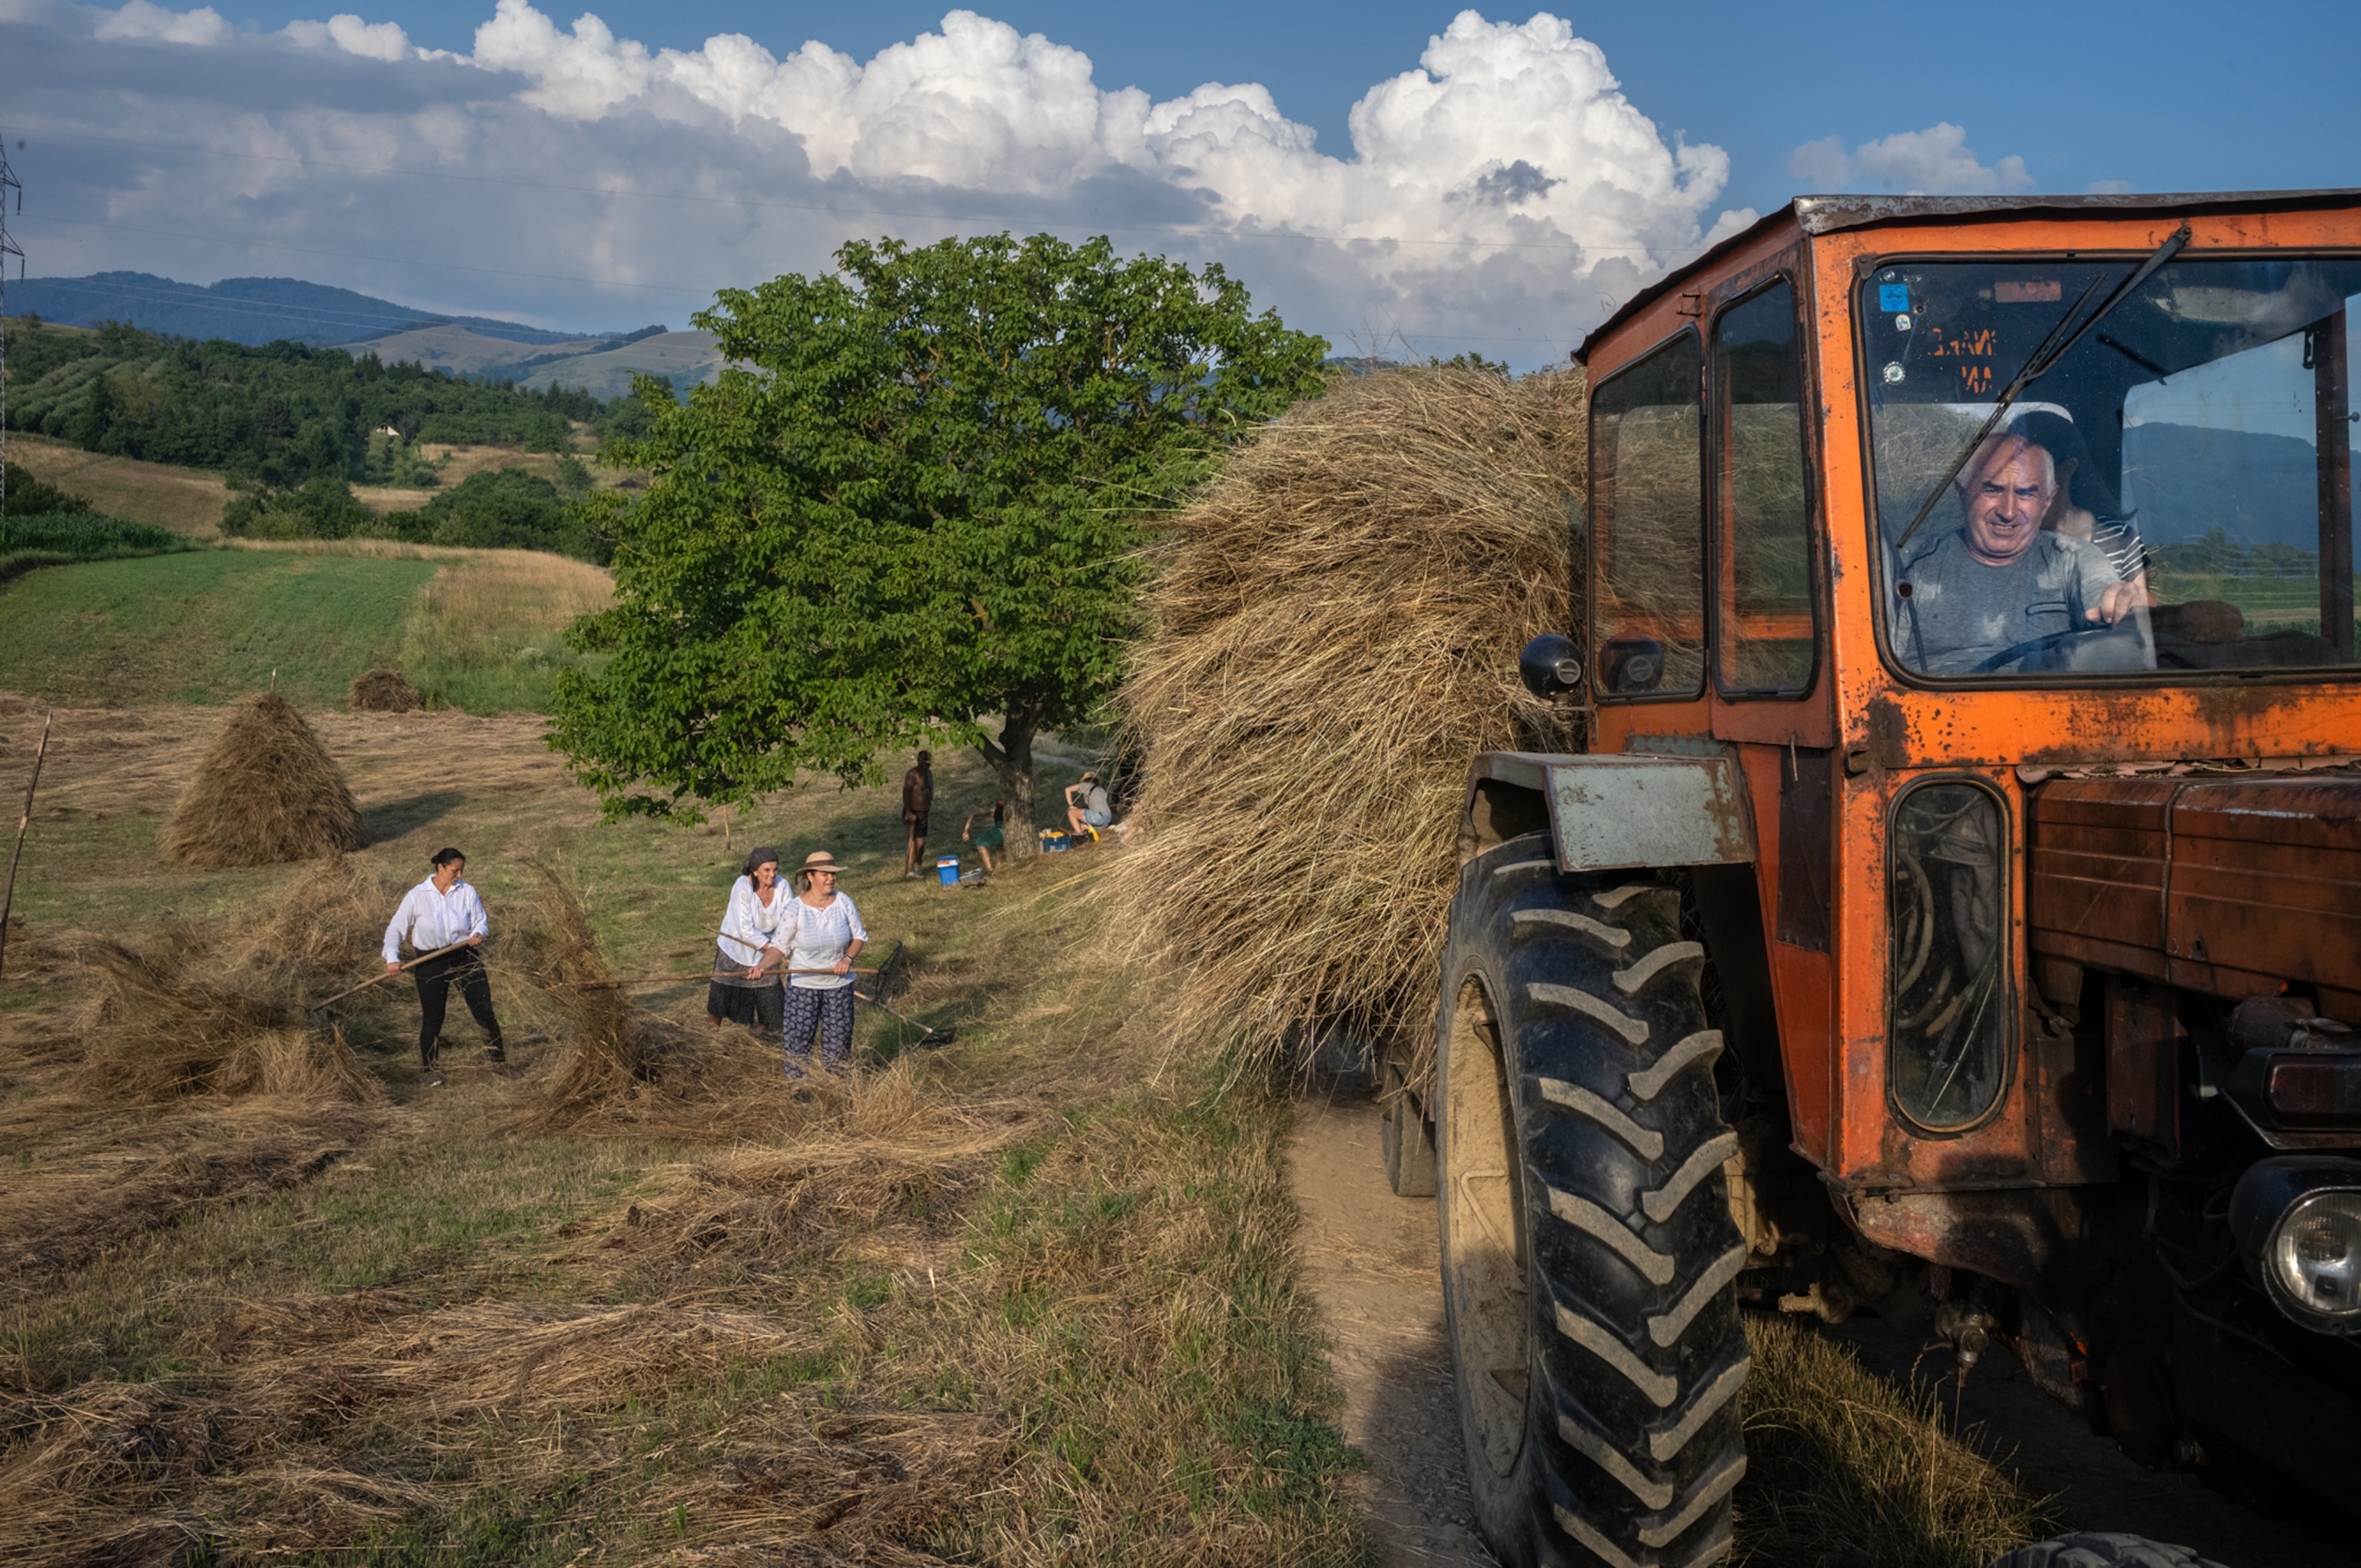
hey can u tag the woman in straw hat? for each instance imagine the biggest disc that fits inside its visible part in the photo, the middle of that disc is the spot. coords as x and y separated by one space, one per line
746 955
824 935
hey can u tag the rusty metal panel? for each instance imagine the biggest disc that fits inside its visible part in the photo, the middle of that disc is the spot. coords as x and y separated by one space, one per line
2226 886
2145 1046
1806 824
1616 813
2266 880
2096 853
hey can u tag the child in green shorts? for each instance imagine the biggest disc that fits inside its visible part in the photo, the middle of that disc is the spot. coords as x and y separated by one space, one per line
991 840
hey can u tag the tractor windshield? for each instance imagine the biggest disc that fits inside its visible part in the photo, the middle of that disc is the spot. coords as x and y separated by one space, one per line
2173 494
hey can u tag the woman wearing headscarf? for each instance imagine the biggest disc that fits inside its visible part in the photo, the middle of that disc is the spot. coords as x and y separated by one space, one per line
747 956
822 937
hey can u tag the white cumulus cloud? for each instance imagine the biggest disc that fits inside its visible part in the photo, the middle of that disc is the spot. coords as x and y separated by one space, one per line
1504 189
1936 160
370 40
146 19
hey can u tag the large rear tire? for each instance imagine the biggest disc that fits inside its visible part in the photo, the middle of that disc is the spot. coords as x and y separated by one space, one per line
1589 1259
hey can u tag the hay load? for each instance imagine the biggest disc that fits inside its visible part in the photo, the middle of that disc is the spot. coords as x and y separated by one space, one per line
383 691
1335 631
267 793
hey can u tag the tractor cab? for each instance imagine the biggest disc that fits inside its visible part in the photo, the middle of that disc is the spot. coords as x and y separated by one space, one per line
1965 660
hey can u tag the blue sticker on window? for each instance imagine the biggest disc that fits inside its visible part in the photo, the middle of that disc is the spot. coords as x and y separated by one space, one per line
1893 296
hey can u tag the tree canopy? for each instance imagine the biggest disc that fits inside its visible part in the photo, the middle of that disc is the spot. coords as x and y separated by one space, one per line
914 501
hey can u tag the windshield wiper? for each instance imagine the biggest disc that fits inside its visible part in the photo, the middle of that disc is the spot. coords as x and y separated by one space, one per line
2051 349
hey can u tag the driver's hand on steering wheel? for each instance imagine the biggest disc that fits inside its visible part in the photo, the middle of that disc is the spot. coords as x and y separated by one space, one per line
2113 604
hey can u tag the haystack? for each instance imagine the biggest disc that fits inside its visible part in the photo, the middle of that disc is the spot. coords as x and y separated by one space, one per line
383 691
267 793
1333 632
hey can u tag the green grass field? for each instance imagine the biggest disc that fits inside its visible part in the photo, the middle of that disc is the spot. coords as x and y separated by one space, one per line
204 626
477 630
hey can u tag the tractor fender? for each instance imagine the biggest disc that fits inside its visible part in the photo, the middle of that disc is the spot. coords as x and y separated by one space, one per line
1612 812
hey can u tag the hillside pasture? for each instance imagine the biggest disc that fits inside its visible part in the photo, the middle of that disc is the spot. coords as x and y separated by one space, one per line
477 629
203 627
186 500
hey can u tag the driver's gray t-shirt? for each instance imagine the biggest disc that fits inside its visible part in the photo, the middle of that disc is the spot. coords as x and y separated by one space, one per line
1960 614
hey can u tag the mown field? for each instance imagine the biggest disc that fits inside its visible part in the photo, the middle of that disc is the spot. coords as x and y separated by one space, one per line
1026 1298
1021 1298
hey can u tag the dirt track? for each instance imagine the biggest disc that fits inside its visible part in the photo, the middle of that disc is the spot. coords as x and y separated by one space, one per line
1370 1259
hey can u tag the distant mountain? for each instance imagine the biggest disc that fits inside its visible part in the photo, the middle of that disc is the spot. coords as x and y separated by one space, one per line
603 366
685 358
2256 489
251 311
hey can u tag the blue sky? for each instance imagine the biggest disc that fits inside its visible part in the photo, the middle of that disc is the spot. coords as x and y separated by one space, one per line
2166 96
1512 193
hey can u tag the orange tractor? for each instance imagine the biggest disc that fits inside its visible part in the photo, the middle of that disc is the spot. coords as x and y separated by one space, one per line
1957 911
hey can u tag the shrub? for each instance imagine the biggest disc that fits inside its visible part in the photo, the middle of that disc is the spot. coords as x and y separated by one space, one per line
29 496
59 538
322 508
505 509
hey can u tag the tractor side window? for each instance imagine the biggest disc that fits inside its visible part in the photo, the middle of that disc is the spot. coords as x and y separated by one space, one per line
1948 1013
1647 526
1763 610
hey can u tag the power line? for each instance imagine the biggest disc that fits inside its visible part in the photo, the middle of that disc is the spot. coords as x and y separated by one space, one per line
8 247
1198 231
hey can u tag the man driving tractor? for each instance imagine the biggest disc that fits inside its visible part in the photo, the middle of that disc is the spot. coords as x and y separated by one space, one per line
2000 587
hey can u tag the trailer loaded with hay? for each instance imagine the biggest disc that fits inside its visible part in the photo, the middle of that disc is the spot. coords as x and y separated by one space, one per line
1782 944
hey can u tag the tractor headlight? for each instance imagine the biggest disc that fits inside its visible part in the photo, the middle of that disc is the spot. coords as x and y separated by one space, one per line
2298 1220
2315 1255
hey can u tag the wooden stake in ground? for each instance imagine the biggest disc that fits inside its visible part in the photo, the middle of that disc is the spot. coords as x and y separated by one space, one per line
23 822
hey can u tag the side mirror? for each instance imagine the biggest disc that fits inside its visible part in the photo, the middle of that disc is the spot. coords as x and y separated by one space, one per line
1551 665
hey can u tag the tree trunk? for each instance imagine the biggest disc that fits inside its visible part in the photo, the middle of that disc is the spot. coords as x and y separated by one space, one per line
1012 762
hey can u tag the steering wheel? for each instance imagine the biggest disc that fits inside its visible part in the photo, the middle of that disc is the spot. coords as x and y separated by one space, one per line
2095 646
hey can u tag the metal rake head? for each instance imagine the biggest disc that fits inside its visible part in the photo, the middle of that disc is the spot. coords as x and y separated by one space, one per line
893 976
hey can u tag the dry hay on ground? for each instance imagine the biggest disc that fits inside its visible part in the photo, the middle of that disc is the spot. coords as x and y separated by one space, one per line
220 1009
1843 1467
383 691
67 1219
628 1069
266 793
1335 631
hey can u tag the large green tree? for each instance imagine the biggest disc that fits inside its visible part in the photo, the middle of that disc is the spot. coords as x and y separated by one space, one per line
914 503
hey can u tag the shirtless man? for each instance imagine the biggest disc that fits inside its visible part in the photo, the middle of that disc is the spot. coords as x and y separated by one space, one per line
1972 601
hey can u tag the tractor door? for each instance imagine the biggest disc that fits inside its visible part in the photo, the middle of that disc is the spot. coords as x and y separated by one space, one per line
1770 686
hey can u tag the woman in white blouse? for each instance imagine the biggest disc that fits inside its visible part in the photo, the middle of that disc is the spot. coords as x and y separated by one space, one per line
747 955
824 936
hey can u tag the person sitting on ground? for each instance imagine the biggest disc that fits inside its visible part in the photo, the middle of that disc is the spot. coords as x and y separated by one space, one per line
1087 807
993 839
918 800
2000 588
744 987
444 912
822 938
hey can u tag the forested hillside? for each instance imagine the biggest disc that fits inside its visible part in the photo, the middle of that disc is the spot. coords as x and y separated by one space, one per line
280 414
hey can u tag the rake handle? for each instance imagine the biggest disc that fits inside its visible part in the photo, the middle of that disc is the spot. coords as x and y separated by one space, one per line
690 979
379 979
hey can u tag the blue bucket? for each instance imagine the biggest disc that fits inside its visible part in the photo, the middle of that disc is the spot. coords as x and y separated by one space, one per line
948 870
1056 842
